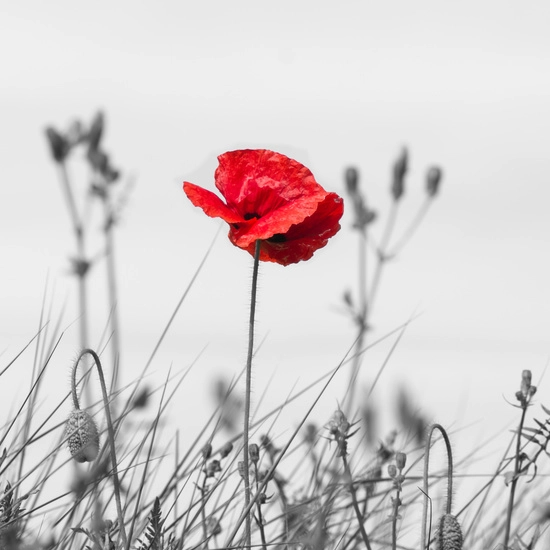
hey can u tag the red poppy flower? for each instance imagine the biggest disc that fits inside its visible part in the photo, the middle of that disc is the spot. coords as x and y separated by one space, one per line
271 198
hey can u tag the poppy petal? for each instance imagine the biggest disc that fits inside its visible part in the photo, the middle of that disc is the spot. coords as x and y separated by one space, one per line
211 204
302 240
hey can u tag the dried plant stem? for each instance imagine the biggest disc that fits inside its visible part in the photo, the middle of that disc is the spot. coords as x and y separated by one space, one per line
347 469
513 483
110 431
259 519
246 473
423 539
112 288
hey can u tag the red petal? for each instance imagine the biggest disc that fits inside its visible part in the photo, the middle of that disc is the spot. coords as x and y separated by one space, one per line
210 203
263 184
303 239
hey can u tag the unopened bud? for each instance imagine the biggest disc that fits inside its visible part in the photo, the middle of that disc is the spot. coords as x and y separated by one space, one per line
96 131
392 470
226 449
240 467
206 451
262 498
400 460
449 534
59 146
254 453
399 171
526 378
352 180
338 423
433 179
82 436
212 468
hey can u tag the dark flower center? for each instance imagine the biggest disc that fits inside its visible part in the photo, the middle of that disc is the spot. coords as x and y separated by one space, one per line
277 238
251 216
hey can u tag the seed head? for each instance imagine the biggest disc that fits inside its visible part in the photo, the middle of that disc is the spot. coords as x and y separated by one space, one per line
449 534
82 436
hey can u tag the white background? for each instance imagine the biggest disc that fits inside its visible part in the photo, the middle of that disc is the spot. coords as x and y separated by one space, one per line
463 85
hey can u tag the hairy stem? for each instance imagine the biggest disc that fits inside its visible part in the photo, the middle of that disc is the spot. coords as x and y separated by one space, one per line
426 470
246 473
110 431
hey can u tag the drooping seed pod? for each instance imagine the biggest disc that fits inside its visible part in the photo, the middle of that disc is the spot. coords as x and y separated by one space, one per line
449 534
82 436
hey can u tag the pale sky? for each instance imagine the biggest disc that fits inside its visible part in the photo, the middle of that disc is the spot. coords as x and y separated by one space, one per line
462 85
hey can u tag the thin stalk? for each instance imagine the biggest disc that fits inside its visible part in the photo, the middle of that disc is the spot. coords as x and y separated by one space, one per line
358 515
259 519
112 288
110 431
246 473
426 470
517 469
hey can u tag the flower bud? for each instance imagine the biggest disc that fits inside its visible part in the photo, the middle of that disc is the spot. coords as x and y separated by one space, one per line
96 131
59 146
433 179
338 424
449 534
400 460
254 453
226 449
392 470
82 436
212 468
526 378
399 171
352 180
206 451
240 468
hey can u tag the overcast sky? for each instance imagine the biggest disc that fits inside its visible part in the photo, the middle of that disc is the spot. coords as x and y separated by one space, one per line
462 85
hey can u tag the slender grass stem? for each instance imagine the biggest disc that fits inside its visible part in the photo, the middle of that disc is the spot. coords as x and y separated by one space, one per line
517 469
246 473
110 431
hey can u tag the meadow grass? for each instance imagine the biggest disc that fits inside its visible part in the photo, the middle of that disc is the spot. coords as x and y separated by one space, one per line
138 483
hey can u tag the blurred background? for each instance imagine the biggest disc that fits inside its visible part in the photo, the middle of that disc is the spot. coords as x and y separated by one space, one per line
462 85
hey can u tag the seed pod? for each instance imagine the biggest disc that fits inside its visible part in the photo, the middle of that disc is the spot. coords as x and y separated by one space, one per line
82 436
433 179
58 144
399 171
449 534
226 449
254 453
400 460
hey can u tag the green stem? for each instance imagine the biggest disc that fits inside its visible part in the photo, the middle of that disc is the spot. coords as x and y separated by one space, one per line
246 472
110 431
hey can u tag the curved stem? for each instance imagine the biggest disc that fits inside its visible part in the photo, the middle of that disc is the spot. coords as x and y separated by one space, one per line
449 478
246 472
110 431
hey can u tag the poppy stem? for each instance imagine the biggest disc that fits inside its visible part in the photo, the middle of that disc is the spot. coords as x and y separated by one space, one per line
246 463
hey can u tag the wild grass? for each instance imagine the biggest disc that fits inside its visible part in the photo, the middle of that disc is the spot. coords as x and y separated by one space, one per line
139 483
